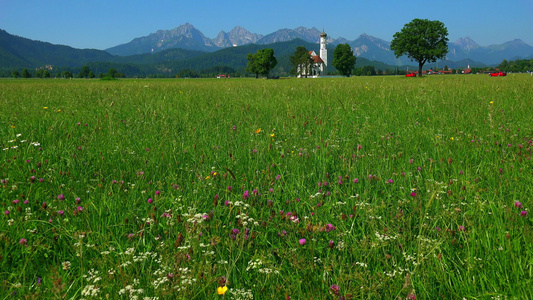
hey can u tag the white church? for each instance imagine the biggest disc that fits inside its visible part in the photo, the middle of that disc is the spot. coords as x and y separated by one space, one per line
320 62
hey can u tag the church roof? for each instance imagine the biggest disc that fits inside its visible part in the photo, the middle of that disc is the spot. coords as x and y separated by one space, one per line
317 59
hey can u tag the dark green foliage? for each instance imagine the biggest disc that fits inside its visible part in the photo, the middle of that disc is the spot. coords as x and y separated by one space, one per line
301 61
261 63
343 59
519 65
84 73
422 41
15 74
26 73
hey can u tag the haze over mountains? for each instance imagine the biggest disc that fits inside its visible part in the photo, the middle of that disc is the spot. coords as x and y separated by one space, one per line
188 37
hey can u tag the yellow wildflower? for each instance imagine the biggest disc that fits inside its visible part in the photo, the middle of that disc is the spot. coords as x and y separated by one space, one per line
208 177
45 107
272 135
451 138
221 290
257 130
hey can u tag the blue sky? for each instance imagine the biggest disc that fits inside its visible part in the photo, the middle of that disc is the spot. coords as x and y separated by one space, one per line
103 24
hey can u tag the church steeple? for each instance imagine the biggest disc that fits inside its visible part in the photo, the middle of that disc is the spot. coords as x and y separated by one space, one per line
324 50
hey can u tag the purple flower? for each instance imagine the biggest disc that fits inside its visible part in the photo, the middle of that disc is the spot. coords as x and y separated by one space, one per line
523 213
301 241
411 161
157 193
413 194
461 228
335 289
229 188
78 200
60 212
23 241
518 204
391 181
329 227
16 201
6 212
61 197
234 127
278 177
355 180
359 147
235 231
226 203
245 195
79 208
150 200
331 244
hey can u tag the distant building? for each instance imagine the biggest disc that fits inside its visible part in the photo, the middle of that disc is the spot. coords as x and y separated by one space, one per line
320 62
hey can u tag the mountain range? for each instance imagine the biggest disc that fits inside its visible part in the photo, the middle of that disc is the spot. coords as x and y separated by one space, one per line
188 37
185 47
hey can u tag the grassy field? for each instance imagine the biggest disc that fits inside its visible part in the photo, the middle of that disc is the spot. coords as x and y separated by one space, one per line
340 188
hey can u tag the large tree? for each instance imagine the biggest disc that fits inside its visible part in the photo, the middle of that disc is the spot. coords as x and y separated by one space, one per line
343 59
301 61
422 40
262 62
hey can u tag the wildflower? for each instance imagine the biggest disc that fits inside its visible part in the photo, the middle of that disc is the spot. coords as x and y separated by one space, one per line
245 195
331 244
60 212
329 227
391 181
234 127
23 241
518 204
61 197
278 177
461 228
6 212
523 213
78 200
359 147
66 265
221 290
150 200
355 180
157 193
272 135
301 241
335 289
258 130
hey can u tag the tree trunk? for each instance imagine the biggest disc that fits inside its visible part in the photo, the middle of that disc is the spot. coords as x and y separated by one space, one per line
420 68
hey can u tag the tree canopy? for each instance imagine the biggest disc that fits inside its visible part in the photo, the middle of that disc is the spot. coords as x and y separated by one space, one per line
422 40
343 59
262 62
301 61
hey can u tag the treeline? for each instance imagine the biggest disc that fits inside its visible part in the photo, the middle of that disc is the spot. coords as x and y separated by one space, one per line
516 66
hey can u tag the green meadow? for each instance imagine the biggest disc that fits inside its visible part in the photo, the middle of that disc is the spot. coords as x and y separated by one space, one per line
334 188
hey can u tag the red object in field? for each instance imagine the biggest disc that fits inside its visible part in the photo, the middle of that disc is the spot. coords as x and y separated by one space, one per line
495 74
410 75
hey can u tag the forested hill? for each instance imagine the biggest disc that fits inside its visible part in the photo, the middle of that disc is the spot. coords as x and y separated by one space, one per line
17 53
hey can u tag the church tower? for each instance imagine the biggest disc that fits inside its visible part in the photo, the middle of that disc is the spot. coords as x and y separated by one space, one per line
324 51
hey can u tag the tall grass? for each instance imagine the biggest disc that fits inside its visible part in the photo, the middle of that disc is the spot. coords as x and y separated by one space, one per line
376 187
